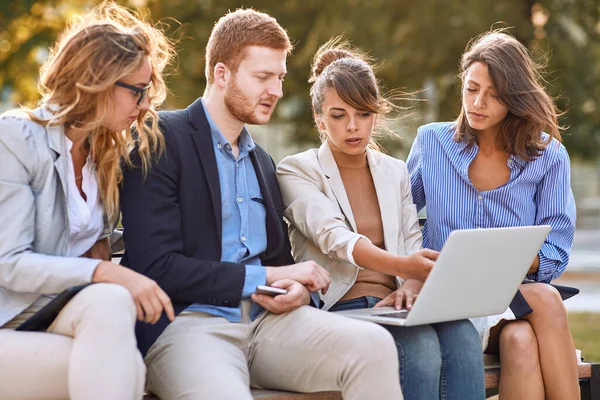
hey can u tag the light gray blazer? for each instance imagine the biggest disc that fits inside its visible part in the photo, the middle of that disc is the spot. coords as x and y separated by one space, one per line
34 230
321 224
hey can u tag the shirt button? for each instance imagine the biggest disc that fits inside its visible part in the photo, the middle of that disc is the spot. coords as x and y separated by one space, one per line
479 197
237 165
243 238
228 146
219 146
239 199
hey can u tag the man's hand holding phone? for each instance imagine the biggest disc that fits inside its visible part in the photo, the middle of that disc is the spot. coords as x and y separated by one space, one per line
308 273
269 290
296 295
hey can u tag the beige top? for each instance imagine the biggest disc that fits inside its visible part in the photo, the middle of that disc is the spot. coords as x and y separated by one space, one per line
360 189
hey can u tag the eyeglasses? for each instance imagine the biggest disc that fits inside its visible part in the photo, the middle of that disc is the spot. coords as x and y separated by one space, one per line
138 90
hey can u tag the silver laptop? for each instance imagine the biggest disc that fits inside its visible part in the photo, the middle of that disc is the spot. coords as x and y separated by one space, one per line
477 273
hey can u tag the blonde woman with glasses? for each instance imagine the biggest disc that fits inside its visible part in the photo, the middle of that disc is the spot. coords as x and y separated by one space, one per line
60 168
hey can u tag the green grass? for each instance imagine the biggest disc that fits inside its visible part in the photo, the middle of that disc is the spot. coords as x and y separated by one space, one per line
585 328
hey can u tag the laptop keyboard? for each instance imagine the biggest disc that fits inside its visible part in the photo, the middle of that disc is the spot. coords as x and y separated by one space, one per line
396 314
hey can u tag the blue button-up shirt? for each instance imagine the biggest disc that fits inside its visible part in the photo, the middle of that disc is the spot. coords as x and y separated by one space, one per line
538 192
243 213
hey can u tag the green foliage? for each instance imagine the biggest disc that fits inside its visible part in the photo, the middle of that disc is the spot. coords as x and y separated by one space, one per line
585 328
574 37
417 43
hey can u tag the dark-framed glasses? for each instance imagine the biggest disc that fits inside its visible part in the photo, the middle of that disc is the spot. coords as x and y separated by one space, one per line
141 92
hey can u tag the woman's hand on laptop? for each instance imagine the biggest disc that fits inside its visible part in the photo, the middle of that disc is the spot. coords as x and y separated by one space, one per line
419 264
297 295
403 297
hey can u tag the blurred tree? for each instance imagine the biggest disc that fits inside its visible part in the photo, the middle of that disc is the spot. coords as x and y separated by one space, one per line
27 29
417 44
572 36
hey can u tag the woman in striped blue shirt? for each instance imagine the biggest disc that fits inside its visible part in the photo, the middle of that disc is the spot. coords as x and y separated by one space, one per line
494 167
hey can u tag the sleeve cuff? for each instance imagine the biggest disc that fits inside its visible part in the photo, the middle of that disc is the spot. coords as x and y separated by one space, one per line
255 275
350 249
547 268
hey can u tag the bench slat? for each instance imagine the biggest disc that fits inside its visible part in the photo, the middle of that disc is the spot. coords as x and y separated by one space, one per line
261 394
492 376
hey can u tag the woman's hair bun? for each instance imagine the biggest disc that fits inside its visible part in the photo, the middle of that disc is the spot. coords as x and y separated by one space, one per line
325 57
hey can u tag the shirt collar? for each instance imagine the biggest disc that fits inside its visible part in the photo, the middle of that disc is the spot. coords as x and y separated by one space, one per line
462 147
517 160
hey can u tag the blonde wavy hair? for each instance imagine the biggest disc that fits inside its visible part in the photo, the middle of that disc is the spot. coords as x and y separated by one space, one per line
78 78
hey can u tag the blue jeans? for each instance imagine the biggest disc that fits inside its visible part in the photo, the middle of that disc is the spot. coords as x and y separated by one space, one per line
437 361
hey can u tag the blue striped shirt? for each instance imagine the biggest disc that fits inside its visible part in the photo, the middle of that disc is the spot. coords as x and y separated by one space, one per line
538 192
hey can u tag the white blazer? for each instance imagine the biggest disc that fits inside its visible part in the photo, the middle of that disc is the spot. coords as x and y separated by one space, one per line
34 230
321 224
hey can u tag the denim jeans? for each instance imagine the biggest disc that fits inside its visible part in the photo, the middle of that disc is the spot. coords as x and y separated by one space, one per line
437 361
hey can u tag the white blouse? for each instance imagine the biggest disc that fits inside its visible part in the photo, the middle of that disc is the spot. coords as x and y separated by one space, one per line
86 217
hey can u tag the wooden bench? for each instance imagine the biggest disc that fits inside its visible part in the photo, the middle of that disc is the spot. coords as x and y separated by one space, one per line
589 382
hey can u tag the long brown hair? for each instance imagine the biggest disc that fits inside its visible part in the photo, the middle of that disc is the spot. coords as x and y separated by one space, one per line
346 69
79 76
518 83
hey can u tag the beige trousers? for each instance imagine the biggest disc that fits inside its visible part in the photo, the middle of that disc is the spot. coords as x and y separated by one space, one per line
200 356
88 353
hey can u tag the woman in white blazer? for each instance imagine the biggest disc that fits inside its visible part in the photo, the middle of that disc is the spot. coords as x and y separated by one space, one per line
350 209
59 176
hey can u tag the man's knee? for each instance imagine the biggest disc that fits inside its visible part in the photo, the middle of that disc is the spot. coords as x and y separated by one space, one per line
196 384
191 362
372 342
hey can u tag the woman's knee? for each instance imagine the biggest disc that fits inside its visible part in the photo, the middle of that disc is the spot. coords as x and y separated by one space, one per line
459 339
548 308
542 296
418 349
108 300
518 341
460 333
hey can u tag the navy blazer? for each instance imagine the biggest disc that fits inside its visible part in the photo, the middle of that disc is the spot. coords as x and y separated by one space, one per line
172 219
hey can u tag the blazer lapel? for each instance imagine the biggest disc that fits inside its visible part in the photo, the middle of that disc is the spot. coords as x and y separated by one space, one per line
387 197
331 171
56 142
204 146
